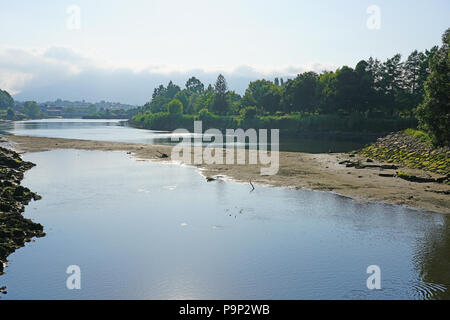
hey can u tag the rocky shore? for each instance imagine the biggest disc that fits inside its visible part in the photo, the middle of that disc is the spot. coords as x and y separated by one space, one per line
410 151
15 230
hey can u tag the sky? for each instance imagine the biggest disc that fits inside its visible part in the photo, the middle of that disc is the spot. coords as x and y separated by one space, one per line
119 50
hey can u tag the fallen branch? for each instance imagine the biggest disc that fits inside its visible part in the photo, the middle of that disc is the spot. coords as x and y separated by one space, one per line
162 155
253 187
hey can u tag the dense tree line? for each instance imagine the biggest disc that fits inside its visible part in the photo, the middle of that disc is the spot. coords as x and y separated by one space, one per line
434 112
393 91
373 88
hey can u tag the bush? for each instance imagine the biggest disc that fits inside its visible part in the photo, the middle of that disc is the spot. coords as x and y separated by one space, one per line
418 134
175 106
248 112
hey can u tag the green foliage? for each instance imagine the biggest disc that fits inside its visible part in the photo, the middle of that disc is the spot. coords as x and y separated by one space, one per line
418 134
263 94
248 113
220 104
6 101
92 113
10 114
175 107
32 109
301 93
434 113
193 85
374 97
437 163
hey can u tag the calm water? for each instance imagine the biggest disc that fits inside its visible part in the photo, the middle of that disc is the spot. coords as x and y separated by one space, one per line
116 130
144 230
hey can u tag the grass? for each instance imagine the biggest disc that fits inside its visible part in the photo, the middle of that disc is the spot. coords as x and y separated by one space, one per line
420 135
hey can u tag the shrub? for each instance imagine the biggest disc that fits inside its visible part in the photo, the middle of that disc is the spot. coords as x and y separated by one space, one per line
175 106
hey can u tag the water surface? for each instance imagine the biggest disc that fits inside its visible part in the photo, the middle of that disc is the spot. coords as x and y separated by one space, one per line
119 131
145 230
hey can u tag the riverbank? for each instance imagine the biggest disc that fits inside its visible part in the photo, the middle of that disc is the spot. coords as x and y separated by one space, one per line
321 172
15 230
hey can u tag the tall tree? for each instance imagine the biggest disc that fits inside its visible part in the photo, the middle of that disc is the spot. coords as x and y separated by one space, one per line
220 103
32 109
6 101
263 94
172 90
301 93
159 91
193 85
434 112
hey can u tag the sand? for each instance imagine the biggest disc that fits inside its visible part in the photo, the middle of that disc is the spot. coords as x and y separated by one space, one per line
321 172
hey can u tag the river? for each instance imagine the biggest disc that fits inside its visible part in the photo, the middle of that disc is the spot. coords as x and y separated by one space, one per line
118 130
146 230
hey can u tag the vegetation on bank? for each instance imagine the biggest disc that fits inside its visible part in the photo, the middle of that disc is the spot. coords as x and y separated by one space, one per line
33 110
15 230
429 148
110 114
374 96
296 123
412 149
434 112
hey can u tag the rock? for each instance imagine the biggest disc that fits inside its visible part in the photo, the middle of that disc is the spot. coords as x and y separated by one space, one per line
15 230
209 179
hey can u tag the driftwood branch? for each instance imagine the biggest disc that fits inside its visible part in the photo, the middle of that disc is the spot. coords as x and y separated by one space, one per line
253 187
162 155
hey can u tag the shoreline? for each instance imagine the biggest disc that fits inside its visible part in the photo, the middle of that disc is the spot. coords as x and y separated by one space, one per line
320 172
15 229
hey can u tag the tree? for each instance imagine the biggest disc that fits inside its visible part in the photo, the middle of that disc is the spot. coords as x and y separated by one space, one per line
171 90
347 84
10 114
391 84
158 104
235 101
183 96
92 109
193 85
32 109
6 101
327 92
220 103
203 100
300 93
434 113
175 107
263 94
159 92
249 112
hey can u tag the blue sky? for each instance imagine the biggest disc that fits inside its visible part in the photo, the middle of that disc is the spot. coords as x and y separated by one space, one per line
159 40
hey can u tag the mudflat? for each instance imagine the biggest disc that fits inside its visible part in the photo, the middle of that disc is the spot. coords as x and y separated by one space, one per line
321 172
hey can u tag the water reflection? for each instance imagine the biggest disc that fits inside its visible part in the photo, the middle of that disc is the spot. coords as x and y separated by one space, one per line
433 263
143 230
118 130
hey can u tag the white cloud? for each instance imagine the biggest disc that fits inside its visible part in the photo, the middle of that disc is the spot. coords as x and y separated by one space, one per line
61 72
